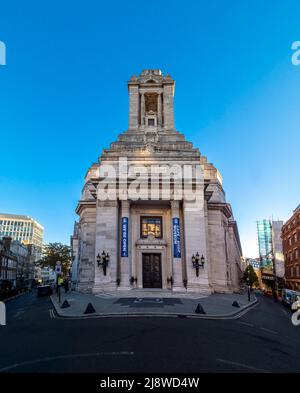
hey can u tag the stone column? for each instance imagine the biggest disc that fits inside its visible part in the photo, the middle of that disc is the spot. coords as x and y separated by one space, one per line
106 240
86 263
159 119
142 109
176 259
195 241
133 107
125 268
168 107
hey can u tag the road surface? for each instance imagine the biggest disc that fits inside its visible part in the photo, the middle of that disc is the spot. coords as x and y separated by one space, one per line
35 340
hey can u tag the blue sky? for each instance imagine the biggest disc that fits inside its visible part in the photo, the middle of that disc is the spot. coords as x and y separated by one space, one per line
63 97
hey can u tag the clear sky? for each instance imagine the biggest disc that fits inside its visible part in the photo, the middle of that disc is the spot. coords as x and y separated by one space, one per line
63 97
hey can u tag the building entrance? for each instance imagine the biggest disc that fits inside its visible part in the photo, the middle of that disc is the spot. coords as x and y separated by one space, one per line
152 277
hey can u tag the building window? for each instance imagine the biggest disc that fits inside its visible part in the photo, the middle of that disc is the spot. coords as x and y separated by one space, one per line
295 237
151 226
290 241
151 122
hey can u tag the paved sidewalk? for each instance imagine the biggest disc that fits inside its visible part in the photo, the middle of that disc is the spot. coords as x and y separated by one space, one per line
152 303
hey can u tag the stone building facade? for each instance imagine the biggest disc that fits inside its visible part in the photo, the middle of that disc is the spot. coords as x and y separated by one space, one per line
291 250
16 267
152 237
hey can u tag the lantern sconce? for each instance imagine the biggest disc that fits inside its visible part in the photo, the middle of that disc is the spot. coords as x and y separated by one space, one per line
103 260
198 262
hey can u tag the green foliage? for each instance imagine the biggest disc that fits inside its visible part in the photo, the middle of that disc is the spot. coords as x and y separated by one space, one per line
54 252
250 274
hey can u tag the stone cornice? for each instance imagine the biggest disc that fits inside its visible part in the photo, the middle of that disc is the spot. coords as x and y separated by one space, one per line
151 77
223 207
233 225
208 195
84 204
152 241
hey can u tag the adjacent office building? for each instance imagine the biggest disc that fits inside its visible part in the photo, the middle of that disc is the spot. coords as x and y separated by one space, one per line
291 250
270 251
270 244
8 264
22 228
264 234
278 248
21 240
15 266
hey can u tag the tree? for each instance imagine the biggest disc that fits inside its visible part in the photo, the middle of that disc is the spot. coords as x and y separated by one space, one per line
54 252
250 276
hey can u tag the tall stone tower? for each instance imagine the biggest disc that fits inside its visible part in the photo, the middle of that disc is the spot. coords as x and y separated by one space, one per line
152 242
151 101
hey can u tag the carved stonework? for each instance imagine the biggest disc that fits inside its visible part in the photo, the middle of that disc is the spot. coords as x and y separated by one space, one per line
150 141
89 191
151 239
152 76
150 137
151 103
133 78
150 148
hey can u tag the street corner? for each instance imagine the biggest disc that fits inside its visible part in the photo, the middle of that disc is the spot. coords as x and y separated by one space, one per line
2 314
78 305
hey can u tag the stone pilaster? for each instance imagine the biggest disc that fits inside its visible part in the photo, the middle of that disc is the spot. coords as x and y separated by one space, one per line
142 109
86 270
218 248
169 107
176 262
106 240
159 119
133 107
125 268
195 241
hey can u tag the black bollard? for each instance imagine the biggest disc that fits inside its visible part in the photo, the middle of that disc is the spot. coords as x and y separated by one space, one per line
90 309
65 304
199 309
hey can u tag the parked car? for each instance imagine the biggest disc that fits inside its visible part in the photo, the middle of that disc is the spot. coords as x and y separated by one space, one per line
44 290
268 292
289 297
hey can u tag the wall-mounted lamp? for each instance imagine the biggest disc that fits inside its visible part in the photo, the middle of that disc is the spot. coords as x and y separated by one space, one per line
103 260
198 262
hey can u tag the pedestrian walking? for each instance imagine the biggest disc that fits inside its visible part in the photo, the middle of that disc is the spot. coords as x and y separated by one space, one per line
60 282
66 285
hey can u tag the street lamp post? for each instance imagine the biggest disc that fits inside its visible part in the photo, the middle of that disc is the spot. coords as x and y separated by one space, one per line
248 285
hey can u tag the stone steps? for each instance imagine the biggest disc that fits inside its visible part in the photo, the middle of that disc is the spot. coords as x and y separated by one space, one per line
148 294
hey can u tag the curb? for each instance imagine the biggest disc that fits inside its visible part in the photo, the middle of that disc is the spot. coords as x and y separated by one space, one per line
14 297
233 315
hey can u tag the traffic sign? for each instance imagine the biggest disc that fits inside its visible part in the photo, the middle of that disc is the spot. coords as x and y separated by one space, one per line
58 267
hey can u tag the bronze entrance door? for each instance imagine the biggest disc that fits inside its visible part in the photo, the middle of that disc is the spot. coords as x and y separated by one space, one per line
152 271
